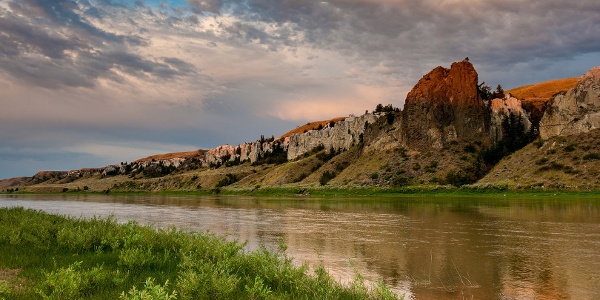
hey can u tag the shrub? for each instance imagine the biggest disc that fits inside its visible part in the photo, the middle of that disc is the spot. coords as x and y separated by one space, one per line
326 177
591 156
151 291
456 178
470 148
228 180
570 148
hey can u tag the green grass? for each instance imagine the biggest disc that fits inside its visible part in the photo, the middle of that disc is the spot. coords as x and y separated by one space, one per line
65 258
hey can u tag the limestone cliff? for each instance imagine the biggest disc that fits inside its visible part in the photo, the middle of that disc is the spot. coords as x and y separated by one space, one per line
339 137
444 106
575 111
501 109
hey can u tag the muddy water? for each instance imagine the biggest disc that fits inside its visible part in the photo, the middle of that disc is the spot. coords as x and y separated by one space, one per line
442 248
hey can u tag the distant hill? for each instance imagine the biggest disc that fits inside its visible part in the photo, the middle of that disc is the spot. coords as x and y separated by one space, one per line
165 156
543 90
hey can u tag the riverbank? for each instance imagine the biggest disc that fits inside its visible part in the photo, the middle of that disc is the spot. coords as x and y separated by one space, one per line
488 191
45 256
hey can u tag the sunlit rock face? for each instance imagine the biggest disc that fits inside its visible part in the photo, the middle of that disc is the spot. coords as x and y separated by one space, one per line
445 106
575 111
340 137
501 109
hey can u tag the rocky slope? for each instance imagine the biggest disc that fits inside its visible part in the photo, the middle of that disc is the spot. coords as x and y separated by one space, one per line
445 134
575 111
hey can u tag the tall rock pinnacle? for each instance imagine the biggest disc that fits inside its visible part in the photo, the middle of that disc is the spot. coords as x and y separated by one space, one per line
444 106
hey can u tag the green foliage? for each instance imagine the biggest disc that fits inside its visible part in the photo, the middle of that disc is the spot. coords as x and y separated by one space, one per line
151 291
457 178
570 148
591 156
325 156
379 108
227 180
5 291
277 155
514 137
74 282
326 177
111 259
431 167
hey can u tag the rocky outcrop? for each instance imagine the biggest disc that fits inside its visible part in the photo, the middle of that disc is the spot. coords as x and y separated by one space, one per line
343 135
444 106
500 109
575 111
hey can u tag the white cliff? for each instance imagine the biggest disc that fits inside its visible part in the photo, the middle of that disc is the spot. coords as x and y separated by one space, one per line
575 111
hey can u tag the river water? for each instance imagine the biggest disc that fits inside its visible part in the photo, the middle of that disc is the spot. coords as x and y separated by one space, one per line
423 248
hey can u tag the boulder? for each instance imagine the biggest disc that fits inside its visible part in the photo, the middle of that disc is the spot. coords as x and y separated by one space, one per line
576 111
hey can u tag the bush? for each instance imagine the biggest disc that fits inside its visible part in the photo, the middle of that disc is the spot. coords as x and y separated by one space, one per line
457 178
326 177
228 180
151 291
591 156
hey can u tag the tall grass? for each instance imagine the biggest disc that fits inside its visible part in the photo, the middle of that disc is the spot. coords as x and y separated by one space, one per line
67 258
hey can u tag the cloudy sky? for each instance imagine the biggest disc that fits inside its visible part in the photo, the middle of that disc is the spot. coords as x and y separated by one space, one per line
87 83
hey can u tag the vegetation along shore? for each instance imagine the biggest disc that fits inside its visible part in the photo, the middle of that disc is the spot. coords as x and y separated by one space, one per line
44 256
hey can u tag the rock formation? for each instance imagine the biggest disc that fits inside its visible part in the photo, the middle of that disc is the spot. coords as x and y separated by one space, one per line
444 106
340 137
575 111
501 109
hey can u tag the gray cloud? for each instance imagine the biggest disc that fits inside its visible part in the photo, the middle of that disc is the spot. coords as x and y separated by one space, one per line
495 32
85 76
53 44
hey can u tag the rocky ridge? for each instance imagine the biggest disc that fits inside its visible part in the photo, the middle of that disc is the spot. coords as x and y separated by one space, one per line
575 111
443 125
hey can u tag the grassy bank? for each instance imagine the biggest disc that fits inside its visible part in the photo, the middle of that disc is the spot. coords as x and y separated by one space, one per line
371 191
368 191
46 256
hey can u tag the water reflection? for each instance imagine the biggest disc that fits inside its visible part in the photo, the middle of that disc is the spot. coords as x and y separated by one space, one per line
424 248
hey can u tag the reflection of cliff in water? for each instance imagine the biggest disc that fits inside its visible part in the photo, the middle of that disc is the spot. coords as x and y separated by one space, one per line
450 251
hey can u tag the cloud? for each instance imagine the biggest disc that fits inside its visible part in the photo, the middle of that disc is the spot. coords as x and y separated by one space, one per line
99 73
55 44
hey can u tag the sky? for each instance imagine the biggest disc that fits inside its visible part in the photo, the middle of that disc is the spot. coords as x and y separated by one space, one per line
88 83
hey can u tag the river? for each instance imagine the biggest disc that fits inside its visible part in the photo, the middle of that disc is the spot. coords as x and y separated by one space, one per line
422 247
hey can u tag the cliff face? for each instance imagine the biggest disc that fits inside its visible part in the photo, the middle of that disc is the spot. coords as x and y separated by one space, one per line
340 137
444 106
502 108
575 111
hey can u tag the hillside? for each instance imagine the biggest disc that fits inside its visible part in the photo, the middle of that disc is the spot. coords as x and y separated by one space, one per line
559 162
543 90
446 135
